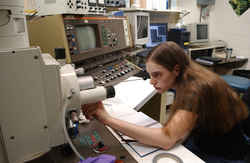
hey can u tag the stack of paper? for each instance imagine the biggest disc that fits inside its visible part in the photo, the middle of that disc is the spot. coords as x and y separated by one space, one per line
140 119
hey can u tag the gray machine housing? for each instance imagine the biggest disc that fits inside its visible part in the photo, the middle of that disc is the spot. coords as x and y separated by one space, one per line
205 2
71 7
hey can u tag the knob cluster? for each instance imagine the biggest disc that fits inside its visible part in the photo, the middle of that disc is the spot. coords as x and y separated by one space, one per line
112 74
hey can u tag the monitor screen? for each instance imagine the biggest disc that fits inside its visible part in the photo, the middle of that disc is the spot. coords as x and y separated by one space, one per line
142 25
139 26
201 32
158 34
86 37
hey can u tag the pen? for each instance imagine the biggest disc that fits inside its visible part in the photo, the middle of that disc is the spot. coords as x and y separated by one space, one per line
129 140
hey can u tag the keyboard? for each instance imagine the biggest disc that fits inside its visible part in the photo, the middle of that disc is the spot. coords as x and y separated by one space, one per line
143 54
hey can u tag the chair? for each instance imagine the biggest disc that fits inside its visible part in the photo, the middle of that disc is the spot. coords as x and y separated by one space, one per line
238 83
241 84
246 123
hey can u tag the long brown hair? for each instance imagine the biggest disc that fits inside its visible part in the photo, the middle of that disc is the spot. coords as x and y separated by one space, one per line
200 91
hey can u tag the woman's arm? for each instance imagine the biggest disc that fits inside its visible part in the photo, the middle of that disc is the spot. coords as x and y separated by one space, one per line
163 137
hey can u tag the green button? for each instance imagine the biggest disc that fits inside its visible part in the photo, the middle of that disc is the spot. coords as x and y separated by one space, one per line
105 35
104 43
126 29
117 40
103 26
104 31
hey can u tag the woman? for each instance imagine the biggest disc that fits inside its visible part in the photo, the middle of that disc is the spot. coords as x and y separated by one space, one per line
206 111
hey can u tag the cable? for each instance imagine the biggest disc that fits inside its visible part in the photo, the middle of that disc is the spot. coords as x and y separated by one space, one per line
31 12
66 133
75 132
29 19
200 13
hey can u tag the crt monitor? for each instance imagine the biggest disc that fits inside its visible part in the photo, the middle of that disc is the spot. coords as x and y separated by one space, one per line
158 34
86 37
199 32
139 26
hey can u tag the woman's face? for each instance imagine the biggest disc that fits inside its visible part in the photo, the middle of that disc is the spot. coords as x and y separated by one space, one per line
161 78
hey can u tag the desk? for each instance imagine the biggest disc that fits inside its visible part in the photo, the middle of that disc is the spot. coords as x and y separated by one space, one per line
143 97
185 155
231 62
140 93
225 67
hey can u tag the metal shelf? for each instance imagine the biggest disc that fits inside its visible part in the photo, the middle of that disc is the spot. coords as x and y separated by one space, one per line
159 15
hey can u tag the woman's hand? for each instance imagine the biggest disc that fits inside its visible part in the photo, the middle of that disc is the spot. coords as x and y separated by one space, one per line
96 110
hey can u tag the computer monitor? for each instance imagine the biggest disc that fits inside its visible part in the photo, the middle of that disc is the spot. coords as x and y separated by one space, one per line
86 37
158 34
139 26
199 32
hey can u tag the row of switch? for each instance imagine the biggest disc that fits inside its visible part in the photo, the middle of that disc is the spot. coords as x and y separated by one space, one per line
95 8
104 64
117 2
122 73
71 38
81 6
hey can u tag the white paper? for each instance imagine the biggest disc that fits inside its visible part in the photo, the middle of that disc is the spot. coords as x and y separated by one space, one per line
141 119
143 149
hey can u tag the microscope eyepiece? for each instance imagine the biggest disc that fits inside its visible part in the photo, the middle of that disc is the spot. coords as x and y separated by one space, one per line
110 91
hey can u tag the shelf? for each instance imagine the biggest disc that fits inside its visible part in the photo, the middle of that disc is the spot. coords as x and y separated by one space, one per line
158 15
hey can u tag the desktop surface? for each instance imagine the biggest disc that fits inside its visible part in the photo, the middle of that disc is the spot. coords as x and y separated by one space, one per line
134 93
230 62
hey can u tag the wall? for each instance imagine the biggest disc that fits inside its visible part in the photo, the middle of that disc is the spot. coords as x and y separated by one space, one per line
225 24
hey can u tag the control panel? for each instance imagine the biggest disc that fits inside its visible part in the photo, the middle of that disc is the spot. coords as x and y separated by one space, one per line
92 43
96 7
94 138
92 36
82 36
115 3
108 69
